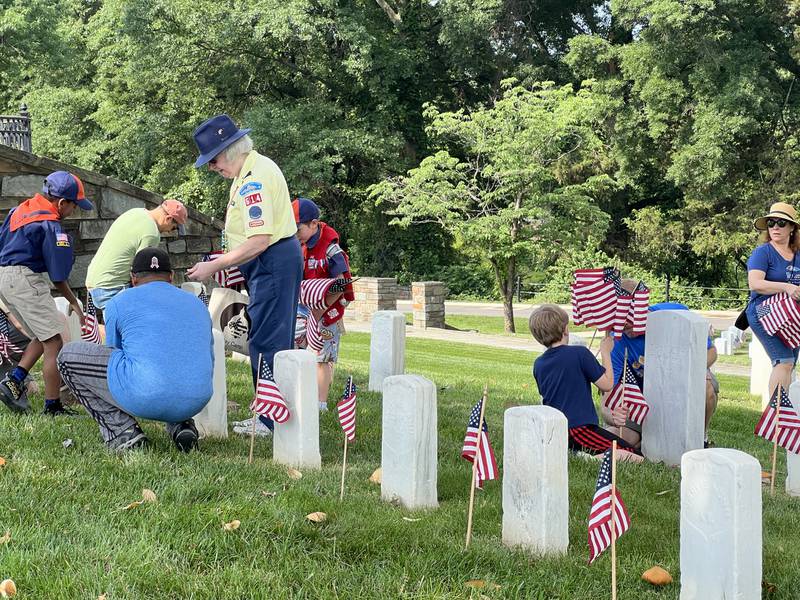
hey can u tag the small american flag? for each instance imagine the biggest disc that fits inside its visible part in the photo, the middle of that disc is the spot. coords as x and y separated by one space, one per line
204 296
628 390
600 512
6 347
487 465
269 401
596 300
347 410
780 316
314 339
641 302
788 430
313 291
90 330
226 277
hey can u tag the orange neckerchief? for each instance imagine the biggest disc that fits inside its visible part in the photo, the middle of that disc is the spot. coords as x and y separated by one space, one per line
32 210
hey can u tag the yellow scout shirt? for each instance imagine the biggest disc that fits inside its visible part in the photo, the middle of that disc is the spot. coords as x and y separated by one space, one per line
259 203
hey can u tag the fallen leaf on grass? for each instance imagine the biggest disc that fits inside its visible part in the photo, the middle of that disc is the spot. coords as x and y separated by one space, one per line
148 495
294 474
101 597
268 494
232 526
410 520
662 493
768 587
316 517
8 588
480 583
2 462
6 538
376 476
133 505
657 576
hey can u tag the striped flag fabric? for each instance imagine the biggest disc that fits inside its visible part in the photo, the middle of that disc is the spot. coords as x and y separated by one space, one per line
313 291
226 277
268 400
600 512
628 391
90 330
346 408
314 339
788 423
641 302
6 346
599 300
204 296
780 316
487 465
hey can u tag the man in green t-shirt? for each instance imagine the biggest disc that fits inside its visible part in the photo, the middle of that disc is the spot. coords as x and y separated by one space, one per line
134 230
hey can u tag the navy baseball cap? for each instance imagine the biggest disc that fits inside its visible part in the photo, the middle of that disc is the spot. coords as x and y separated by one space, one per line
62 184
214 135
304 210
151 260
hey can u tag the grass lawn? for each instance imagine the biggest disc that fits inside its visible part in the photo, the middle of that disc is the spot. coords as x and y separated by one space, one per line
69 538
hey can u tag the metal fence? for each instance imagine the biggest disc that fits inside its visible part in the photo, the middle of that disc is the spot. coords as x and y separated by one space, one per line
15 130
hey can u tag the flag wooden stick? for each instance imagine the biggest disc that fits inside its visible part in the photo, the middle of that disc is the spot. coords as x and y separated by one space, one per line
775 441
591 341
614 520
253 429
624 373
475 467
344 467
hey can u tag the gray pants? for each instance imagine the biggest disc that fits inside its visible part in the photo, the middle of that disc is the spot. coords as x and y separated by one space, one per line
84 368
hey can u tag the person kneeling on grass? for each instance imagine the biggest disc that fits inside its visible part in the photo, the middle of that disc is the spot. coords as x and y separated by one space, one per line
564 375
158 363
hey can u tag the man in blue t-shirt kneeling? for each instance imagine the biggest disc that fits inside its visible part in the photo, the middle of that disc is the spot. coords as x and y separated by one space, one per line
157 363
564 375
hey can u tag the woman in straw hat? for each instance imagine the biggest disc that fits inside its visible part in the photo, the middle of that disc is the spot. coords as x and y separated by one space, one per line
259 238
772 268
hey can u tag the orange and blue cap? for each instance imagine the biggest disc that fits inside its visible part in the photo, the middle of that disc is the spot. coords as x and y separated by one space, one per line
62 184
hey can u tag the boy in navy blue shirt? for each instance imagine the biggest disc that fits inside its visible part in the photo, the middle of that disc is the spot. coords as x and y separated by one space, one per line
564 375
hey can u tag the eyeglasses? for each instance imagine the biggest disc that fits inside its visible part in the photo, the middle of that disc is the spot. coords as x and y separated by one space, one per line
213 161
777 223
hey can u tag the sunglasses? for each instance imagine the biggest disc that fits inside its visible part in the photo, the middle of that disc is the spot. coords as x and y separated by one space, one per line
777 223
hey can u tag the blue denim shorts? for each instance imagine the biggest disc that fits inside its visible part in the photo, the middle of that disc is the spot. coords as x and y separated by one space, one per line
778 352
101 296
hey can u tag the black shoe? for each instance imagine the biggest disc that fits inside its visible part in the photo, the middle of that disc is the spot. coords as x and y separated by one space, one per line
128 440
185 436
13 395
59 410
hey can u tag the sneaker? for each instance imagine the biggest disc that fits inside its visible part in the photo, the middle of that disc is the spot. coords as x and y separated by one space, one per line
13 395
261 429
185 436
323 407
59 410
128 440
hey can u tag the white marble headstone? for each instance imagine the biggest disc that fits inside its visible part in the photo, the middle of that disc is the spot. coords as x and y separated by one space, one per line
296 442
73 328
387 347
720 525
193 287
212 420
792 459
674 384
535 481
723 346
409 442
760 369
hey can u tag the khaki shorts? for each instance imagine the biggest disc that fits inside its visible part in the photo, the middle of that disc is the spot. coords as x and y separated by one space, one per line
27 296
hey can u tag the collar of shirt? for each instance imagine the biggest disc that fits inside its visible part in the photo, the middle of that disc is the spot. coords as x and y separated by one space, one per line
312 241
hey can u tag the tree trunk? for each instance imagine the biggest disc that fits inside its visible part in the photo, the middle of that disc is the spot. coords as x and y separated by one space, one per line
505 283
508 310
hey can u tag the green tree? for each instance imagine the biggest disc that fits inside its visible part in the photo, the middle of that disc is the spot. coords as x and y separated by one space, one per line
515 181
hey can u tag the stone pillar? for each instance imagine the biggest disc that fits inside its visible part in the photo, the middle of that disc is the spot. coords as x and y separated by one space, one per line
674 384
720 525
760 369
409 444
387 347
428 303
535 481
296 442
212 420
793 460
371 295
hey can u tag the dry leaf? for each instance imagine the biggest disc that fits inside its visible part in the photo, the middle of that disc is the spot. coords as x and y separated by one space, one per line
2 462
316 517
657 576
8 588
662 493
268 494
233 525
294 474
6 538
768 587
480 583
376 476
148 495
410 520
101 597
133 505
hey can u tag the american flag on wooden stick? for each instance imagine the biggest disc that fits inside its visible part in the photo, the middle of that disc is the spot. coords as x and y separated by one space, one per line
346 408
600 512
487 465
6 346
90 330
204 296
788 426
638 314
313 291
599 300
268 400
628 390
779 315
226 277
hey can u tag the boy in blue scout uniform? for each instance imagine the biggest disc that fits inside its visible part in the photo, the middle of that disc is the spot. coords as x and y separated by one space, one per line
259 237
32 243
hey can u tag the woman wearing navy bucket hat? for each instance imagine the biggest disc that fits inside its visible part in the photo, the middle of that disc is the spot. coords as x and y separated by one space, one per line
259 238
773 268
